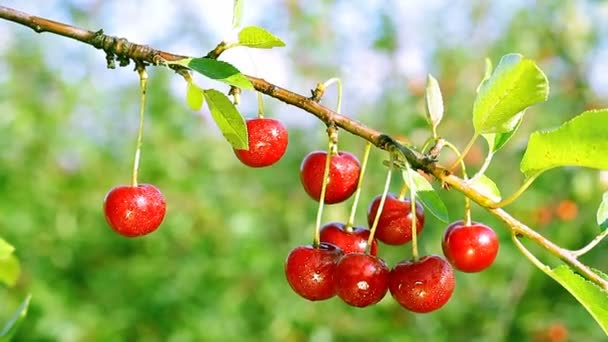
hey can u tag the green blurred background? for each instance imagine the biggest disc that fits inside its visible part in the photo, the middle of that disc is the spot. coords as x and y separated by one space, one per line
214 270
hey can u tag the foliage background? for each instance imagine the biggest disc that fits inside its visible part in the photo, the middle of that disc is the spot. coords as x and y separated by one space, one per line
214 271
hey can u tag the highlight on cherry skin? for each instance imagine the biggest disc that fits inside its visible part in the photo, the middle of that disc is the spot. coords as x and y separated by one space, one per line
343 175
395 222
134 211
310 270
268 141
470 248
353 240
424 285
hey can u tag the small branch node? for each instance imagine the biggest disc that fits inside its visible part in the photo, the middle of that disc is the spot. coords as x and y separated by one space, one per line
317 93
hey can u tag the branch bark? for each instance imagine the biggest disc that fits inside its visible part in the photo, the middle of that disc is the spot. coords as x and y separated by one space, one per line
123 51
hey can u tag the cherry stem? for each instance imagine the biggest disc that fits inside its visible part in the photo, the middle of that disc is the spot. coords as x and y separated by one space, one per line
403 192
428 142
516 194
260 106
464 153
467 201
414 222
353 209
484 167
339 84
143 84
579 252
387 184
530 256
331 132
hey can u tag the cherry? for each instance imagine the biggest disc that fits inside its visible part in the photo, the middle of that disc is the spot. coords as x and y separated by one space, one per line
395 223
134 210
424 285
353 241
470 248
343 175
310 270
361 279
267 142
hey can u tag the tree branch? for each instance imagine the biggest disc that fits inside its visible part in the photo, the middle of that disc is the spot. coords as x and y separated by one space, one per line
123 51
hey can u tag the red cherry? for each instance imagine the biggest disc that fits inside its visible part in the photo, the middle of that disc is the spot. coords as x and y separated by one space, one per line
361 279
310 270
343 176
134 210
395 223
470 248
267 142
354 241
424 285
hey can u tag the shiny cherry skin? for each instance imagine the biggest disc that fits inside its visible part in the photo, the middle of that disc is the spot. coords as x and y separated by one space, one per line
361 279
395 223
268 141
349 241
343 176
471 248
134 210
424 285
310 270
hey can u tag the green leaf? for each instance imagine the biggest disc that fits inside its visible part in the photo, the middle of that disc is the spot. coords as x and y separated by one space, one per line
487 74
485 186
426 194
237 13
582 141
228 119
217 70
9 330
194 96
259 38
6 249
9 270
434 102
497 140
516 84
592 297
602 212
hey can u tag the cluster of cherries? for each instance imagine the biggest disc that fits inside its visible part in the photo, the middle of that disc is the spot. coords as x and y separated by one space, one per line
343 263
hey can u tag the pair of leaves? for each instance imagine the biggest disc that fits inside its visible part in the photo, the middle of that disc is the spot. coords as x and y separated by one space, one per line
10 328
255 37
9 264
502 99
224 113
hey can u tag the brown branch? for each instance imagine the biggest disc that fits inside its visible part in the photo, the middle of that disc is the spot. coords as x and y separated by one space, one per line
122 50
